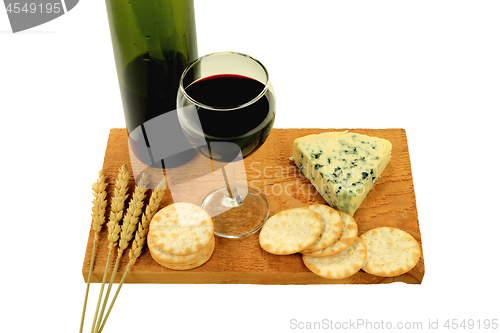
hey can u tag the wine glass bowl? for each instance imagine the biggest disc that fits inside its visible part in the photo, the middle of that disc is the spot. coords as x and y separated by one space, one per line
226 107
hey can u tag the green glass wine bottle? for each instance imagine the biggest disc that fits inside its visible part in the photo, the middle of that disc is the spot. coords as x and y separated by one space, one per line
153 42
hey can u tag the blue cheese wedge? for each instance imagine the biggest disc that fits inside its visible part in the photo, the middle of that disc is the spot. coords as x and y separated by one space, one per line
342 166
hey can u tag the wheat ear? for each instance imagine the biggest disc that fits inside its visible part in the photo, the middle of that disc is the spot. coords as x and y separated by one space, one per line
113 225
140 239
98 211
130 221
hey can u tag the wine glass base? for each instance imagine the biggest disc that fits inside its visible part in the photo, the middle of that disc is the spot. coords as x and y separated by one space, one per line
244 218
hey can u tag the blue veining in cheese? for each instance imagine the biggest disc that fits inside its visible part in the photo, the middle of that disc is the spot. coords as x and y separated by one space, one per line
342 166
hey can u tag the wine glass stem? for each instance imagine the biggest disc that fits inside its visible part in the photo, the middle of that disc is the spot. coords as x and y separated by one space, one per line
232 199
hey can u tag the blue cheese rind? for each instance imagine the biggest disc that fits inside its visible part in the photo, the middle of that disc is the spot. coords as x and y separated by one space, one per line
342 166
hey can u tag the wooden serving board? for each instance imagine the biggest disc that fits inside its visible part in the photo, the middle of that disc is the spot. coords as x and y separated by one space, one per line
391 202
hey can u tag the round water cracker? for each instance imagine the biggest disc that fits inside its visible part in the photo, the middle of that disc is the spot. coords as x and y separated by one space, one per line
290 231
175 259
181 267
341 265
347 237
391 251
181 229
332 227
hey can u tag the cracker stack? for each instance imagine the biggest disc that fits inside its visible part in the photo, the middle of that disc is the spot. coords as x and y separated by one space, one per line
330 246
181 236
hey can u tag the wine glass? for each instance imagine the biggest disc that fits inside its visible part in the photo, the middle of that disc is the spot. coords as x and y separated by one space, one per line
226 107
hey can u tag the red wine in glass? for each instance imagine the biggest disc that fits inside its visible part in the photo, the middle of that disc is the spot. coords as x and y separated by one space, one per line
248 127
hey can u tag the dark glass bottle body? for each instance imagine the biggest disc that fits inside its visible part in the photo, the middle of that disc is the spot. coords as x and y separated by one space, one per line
153 42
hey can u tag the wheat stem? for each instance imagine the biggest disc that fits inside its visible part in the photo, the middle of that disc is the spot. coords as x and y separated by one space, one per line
114 298
88 286
102 290
116 213
140 238
98 211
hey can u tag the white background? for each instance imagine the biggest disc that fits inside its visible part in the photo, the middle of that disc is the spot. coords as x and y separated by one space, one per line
430 67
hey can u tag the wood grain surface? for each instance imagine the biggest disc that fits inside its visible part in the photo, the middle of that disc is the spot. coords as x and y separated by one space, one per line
391 202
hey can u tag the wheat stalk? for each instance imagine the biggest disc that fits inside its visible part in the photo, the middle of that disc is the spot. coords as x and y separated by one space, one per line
128 228
140 239
98 211
113 225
